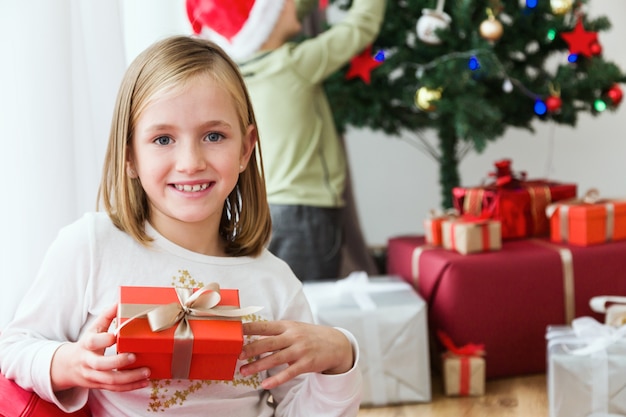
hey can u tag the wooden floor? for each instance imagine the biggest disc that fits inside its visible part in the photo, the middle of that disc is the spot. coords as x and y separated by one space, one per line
513 397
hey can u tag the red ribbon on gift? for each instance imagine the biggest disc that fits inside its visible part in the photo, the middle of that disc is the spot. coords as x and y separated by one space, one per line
504 175
470 349
464 353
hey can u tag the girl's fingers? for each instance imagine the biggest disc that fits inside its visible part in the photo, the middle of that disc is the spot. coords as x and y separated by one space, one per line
103 321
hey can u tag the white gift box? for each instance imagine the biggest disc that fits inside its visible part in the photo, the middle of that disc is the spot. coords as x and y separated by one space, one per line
388 319
586 369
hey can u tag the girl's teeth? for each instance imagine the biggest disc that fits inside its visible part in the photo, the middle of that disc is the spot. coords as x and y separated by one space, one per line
192 188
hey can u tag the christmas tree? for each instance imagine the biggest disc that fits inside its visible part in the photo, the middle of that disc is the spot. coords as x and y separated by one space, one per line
469 69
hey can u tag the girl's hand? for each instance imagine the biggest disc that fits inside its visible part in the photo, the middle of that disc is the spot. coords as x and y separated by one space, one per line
304 347
83 364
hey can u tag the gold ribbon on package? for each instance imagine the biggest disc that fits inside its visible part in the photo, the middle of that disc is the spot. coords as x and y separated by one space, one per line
592 196
199 305
567 265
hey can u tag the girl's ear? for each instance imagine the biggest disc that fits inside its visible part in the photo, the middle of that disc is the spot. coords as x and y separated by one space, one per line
130 170
247 146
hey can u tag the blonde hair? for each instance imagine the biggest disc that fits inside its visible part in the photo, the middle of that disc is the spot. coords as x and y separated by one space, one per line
245 225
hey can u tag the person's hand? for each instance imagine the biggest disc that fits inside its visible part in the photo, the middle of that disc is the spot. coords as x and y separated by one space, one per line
304 347
83 364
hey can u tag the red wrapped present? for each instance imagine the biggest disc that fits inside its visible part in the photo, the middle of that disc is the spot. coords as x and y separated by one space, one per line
587 221
463 368
505 299
180 332
519 204
466 235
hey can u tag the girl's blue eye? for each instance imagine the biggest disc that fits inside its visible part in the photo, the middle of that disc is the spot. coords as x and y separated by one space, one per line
214 137
163 140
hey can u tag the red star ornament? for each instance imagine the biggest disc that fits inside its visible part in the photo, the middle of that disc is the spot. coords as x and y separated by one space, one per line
580 41
362 66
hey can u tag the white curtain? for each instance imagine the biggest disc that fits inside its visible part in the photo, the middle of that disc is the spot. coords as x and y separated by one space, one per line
62 61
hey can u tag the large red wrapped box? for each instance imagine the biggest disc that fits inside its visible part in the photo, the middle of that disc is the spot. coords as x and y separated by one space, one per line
216 341
587 223
505 299
519 204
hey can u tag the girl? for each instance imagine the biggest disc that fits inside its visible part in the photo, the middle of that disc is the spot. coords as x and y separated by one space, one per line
185 203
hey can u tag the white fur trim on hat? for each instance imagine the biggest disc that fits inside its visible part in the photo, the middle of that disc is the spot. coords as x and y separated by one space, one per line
253 34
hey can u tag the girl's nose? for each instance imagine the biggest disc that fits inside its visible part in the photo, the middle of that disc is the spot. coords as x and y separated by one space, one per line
190 158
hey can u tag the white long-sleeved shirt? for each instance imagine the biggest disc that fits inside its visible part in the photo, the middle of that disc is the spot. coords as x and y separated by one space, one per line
80 278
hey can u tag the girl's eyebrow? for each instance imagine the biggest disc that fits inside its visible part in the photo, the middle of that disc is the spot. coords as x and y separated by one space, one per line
210 124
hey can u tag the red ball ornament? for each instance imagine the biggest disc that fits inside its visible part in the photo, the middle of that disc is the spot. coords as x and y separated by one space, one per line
615 94
595 48
553 103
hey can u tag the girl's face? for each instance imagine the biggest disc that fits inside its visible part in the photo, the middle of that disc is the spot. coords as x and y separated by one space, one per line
188 151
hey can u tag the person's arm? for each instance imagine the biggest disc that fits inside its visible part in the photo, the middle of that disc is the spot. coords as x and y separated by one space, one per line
316 58
41 349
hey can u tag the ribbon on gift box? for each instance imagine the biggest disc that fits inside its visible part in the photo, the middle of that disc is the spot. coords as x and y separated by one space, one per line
199 305
504 175
592 196
415 262
464 353
567 267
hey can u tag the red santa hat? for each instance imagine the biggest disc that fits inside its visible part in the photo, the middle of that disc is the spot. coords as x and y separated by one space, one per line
240 27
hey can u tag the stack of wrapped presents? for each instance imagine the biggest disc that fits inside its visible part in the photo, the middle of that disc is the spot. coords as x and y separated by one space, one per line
515 257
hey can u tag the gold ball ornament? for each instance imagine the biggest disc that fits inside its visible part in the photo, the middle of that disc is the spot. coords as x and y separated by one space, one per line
491 29
424 98
561 7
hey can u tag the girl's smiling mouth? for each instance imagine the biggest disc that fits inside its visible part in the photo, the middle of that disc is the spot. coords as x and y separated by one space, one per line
191 188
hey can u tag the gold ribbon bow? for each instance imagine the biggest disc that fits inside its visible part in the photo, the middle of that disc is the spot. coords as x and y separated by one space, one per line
201 304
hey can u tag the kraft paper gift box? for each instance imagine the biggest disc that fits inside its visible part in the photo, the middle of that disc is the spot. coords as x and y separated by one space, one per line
587 221
463 376
204 346
388 319
519 204
433 224
463 368
526 286
586 369
471 236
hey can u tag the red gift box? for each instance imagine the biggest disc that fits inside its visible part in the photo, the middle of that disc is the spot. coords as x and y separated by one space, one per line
212 350
587 221
518 203
505 299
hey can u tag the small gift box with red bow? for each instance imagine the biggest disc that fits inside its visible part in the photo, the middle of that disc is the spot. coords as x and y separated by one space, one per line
433 225
182 333
463 368
469 235
519 204
587 221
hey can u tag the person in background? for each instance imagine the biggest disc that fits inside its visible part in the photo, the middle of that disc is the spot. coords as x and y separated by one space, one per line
185 205
305 162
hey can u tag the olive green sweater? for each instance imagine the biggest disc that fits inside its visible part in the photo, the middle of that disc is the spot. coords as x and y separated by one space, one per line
303 156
